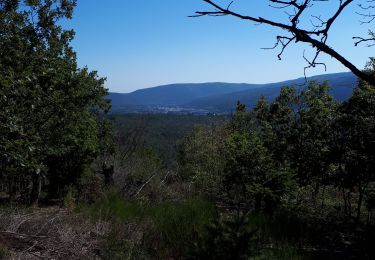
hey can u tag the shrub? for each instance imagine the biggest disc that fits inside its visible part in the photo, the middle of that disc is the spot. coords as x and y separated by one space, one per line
179 225
112 207
227 238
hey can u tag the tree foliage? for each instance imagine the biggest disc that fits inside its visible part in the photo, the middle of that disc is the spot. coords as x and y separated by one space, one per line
50 108
304 138
303 158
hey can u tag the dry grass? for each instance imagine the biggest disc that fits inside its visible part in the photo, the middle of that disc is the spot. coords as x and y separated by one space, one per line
51 233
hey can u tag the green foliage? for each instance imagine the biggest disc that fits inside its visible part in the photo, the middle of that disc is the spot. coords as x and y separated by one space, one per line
179 225
201 159
227 238
304 162
143 164
354 157
232 165
141 175
160 132
113 207
50 107
296 129
359 121
251 175
174 226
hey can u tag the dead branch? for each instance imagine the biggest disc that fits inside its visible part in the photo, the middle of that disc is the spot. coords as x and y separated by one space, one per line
144 185
21 235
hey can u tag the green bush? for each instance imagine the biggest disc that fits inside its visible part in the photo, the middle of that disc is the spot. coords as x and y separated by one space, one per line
112 207
180 224
227 238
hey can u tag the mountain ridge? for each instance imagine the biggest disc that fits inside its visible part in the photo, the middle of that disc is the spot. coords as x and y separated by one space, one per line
217 97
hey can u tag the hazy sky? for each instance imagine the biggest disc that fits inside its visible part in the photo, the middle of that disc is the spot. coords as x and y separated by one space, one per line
144 43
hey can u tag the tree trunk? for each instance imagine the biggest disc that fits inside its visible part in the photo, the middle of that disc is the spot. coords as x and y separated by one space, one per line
368 217
315 195
323 197
108 174
345 202
359 204
350 203
36 189
12 196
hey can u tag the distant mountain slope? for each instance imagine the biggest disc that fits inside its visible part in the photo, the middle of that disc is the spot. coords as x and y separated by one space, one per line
341 84
217 97
175 94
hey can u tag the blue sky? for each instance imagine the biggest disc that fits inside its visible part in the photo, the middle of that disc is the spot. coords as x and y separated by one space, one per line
144 43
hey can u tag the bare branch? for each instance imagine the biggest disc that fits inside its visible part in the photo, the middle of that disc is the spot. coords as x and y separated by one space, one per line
284 42
317 36
360 40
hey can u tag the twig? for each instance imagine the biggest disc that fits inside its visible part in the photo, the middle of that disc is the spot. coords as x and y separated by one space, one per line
21 235
147 182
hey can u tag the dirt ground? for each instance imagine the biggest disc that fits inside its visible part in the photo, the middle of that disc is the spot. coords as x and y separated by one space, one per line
48 233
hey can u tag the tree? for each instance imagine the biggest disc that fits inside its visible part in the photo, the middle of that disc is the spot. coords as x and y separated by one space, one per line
357 142
304 26
252 179
201 159
297 130
50 107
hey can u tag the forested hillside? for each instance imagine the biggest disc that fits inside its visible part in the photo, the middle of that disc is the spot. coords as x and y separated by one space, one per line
161 133
219 97
341 87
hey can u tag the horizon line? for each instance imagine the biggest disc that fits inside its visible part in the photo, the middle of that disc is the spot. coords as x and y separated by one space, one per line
223 82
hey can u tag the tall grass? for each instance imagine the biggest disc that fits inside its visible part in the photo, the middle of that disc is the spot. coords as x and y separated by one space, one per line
179 225
174 229
112 207
171 227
